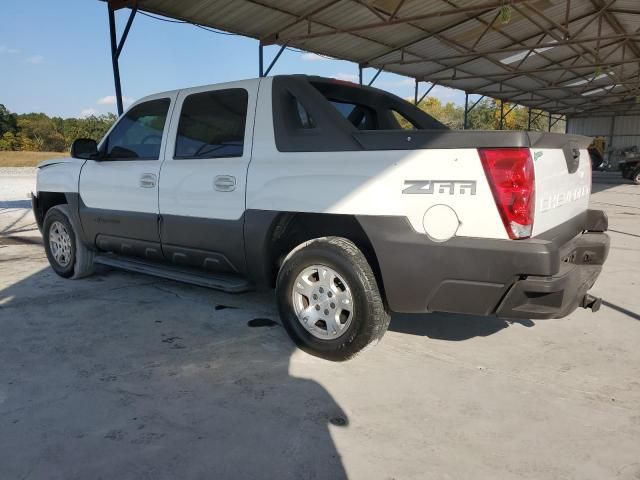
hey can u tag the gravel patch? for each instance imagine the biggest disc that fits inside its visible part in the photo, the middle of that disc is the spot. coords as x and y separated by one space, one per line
17 171
15 184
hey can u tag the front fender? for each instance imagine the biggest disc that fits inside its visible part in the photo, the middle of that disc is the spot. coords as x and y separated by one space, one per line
59 175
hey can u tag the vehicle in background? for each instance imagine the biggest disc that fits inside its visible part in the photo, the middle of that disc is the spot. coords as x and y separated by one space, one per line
630 165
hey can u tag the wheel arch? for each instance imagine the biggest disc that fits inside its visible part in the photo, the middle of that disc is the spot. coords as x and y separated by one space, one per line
284 231
47 200
43 203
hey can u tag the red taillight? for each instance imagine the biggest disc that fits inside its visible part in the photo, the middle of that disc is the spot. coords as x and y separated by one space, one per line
510 174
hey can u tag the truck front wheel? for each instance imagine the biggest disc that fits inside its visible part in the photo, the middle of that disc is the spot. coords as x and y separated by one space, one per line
329 299
68 257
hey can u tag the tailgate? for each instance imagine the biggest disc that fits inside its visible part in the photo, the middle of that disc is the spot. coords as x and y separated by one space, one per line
563 178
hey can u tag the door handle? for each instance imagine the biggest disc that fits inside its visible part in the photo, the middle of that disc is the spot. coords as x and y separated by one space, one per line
148 180
224 183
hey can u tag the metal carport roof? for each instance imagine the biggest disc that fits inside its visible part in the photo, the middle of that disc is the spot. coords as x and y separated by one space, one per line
572 57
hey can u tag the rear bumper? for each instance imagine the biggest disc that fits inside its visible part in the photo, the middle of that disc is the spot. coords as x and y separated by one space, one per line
559 295
543 277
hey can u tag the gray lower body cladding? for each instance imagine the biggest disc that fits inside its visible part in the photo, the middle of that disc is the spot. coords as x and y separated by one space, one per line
543 277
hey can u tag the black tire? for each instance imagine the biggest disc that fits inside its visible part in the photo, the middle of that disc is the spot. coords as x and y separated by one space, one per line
370 319
635 176
80 262
625 173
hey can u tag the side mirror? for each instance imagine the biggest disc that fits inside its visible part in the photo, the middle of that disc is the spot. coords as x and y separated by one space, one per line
84 148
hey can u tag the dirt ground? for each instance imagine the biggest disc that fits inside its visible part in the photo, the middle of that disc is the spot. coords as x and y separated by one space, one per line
132 377
27 159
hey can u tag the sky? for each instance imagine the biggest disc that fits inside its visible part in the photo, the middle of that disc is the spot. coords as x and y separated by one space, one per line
55 58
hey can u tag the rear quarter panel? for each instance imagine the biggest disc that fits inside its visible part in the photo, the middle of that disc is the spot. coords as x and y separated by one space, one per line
367 183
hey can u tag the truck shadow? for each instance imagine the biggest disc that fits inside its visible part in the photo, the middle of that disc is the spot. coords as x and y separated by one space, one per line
449 326
125 376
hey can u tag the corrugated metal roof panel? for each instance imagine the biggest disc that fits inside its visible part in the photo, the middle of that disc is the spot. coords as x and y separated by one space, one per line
526 49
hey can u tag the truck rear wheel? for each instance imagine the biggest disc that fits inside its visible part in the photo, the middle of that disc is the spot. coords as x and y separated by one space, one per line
67 255
635 176
329 299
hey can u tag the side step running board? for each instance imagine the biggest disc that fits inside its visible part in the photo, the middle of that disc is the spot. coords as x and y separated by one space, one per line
226 283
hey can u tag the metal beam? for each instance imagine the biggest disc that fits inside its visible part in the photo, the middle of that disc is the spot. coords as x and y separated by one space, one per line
476 103
466 111
127 27
114 59
260 59
374 77
273 36
433 84
515 49
511 109
118 4
275 59
398 21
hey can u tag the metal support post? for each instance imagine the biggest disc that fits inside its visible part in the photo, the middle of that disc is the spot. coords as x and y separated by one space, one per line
116 48
114 59
529 120
549 121
261 59
501 115
466 112
415 94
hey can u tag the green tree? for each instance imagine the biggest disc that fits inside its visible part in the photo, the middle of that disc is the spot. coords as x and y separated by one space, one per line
39 132
8 121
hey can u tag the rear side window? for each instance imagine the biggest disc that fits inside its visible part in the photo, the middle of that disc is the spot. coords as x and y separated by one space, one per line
361 116
138 135
402 122
212 124
306 120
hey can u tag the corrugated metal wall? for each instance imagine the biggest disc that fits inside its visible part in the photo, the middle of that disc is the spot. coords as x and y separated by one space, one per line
619 132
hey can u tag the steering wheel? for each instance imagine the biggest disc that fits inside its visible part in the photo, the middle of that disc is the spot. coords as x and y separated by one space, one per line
150 137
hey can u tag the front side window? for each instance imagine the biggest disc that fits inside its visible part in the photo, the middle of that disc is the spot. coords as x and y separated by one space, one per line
138 135
212 124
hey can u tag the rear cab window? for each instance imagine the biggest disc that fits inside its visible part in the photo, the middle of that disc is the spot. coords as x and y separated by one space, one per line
360 116
212 125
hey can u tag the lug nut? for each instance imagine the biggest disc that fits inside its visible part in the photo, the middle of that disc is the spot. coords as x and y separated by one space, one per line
326 311
329 294
317 307
321 290
333 305
315 297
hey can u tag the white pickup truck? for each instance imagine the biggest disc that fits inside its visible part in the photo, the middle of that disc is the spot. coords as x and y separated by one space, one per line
350 201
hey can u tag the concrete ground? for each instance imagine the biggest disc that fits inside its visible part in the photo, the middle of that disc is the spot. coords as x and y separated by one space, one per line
131 377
